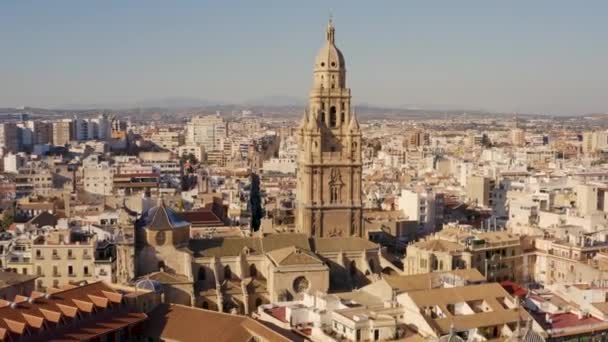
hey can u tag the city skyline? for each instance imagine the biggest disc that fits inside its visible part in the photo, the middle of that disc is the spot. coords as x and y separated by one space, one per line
524 58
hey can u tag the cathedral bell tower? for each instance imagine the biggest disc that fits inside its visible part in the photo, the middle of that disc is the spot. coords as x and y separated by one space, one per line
329 164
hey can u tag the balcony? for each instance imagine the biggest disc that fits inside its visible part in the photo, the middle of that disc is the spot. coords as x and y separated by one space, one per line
86 257
56 257
72 275
56 274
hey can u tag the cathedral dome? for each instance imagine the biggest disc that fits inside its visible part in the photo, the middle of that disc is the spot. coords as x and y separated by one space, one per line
330 57
163 218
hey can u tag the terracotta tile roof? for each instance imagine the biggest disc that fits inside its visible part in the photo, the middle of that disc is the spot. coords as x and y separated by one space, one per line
183 323
514 289
201 218
83 311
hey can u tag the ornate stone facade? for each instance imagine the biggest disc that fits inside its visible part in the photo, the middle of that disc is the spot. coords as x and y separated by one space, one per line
329 167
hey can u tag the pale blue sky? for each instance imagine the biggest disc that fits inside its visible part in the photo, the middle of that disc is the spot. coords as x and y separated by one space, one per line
526 56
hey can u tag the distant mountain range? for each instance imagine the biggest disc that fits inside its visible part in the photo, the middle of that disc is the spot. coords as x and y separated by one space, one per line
273 105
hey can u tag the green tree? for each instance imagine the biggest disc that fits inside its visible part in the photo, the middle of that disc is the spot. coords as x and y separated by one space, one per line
8 217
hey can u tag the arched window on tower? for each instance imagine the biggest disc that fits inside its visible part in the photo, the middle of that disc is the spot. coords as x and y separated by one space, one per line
227 273
342 116
332 116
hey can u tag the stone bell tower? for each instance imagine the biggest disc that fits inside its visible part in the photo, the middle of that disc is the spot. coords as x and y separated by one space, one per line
329 164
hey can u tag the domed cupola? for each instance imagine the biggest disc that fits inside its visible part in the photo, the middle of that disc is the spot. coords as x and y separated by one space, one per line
330 58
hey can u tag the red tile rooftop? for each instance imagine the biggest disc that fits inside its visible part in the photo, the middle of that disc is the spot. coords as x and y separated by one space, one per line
567 320
514 288
278 313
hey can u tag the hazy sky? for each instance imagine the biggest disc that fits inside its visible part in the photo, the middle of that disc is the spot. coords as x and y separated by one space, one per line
526 56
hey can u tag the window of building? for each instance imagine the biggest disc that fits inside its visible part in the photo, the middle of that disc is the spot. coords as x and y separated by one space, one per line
334 194
227 272
70 270
332 116
55 271
39 270
69 253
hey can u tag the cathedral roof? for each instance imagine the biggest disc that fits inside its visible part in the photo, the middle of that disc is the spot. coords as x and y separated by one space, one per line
329 57
220 247
291 256
163 218
336 244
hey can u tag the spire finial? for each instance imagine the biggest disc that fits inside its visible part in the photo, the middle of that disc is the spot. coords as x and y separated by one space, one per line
330 29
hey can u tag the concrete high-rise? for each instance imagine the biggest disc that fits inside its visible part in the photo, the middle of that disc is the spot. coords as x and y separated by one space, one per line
329 164
209 131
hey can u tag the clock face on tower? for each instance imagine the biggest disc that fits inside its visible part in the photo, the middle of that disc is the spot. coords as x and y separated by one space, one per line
160 238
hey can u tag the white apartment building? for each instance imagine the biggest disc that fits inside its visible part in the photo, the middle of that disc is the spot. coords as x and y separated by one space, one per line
196 150
14 161
209 131
422 205
99 128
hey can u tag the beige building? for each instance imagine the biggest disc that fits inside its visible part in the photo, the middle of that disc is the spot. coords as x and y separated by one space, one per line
482 312
167 139
479 190
329 167
9 138
58 260
417 138
98 179
62 132
239 274
497 255
34 182
518 137
208 131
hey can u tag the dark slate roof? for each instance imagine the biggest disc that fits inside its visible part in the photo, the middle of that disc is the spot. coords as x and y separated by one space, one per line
163 218
44 219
